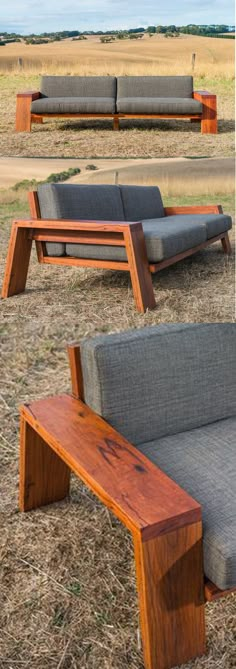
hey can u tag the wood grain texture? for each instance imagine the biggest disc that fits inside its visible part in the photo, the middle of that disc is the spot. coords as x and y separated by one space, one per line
23 110
194 209
139 267
34 208
209 111
44 477
169 573
139 493
212 592
17 262
76 371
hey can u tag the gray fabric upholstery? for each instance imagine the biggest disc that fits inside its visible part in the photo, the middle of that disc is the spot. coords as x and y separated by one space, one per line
158 105
85 87
154 87
141 202
49 209
161 380
73 105
164 237
79 202
203 462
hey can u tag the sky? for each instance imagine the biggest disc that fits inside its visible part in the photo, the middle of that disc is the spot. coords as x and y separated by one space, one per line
47 15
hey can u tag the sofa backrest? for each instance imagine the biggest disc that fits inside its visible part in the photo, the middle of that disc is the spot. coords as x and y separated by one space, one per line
85 87
141 202
82 202
163 379
155 87
99 202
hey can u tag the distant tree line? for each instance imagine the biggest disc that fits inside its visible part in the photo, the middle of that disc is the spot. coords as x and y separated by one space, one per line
214 30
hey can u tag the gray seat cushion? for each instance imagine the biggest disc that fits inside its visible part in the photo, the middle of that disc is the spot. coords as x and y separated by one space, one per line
79 202
158 105
203 462
73 105
161 380
75 86
155 87
164 237
141 202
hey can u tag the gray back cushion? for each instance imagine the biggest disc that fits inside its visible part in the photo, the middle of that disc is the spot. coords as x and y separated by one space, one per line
162 380
85 87
79 201
141 202
155 87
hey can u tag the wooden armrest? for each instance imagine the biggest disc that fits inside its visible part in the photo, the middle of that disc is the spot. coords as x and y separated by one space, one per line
200 95
139 493
34 95
194 209
52 224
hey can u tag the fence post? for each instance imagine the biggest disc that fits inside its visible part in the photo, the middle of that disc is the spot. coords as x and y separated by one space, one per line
193 59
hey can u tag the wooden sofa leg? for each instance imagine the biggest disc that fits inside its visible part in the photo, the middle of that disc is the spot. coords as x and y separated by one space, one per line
140 274
116 125
226 244
17 262
209 116
171 596
36 119
23 113
44 477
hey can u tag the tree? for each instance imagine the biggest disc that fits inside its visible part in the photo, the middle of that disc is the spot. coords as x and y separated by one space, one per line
151 29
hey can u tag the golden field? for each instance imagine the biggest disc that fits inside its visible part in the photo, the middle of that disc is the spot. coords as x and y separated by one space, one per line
156 55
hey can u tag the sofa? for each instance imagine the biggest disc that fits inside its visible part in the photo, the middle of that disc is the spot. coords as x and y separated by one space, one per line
122 227
117 98
151 429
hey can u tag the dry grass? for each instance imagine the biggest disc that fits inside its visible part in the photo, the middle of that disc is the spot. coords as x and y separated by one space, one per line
68 597
214 57
214 71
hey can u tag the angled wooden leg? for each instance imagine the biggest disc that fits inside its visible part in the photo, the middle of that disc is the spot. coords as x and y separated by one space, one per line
226 244
23 113
116 125
209 115
44 477
17 262
171 596
140 274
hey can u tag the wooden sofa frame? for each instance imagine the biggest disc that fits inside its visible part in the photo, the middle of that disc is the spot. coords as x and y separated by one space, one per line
129 235
208 118
61 434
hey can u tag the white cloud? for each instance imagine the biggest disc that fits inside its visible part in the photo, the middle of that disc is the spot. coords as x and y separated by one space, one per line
32 16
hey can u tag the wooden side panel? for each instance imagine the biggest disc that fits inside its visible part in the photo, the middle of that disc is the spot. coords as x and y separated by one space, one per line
44 477
139 493
171 597
23 113
209 111
76 371
139 267
17 262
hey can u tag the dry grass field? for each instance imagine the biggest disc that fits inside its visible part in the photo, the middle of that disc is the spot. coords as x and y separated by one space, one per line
214 70
68 598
